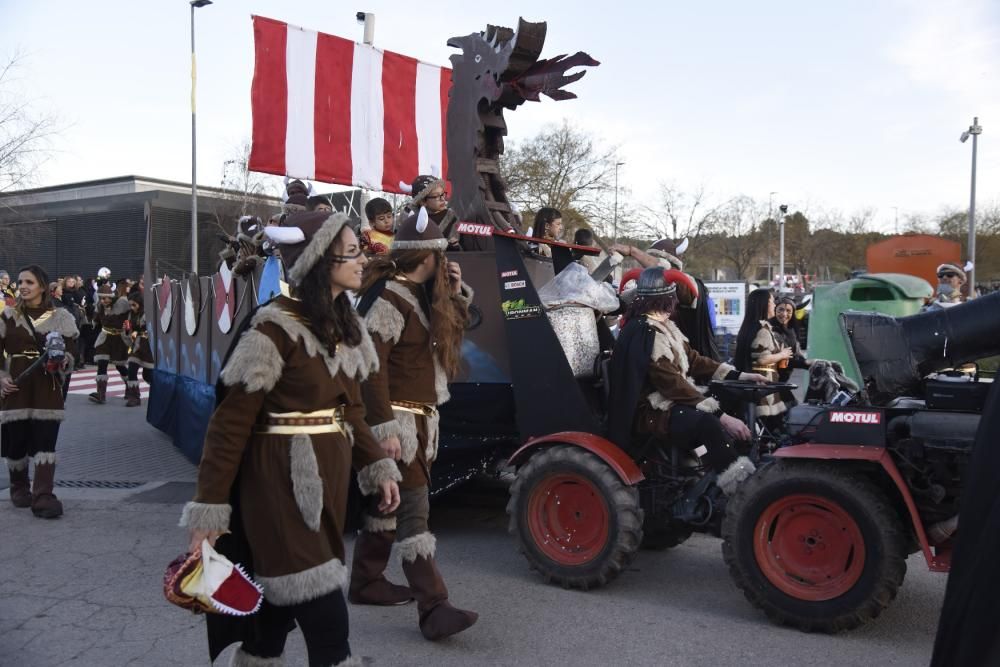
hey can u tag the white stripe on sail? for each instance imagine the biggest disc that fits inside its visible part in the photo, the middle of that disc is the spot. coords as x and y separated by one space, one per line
428 120
300 73
367 117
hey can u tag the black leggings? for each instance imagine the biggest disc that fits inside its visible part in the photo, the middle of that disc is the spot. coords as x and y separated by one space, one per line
133 373
102 368
28 437
691 428
324 626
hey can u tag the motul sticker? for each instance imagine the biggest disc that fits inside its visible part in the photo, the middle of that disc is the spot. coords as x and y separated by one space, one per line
514 284
508 274
855 417
474 229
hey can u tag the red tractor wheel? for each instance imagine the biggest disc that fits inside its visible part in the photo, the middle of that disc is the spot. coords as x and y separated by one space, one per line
815 545
575 521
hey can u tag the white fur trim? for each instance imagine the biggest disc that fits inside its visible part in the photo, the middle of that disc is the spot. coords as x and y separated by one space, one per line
667 261
402 291
316 248
289 589
44 458
722 371
307 485
709 405
255 363
60 321
422 545
378 524
101 378
284 235
102 357
385 320
3 327
355 362
669 343
615 258
121 306
372 476
206 516
440 377
243 659
431 244
408 439
17 464
737 471
386 430
659 402
8 416
142 364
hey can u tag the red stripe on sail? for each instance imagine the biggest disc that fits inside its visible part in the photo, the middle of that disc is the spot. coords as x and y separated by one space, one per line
399 94
332 117
269 96
445 92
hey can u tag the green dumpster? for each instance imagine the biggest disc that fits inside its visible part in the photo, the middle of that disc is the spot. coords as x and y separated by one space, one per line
895 294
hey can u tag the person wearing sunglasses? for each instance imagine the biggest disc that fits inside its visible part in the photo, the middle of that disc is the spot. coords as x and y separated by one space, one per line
951 278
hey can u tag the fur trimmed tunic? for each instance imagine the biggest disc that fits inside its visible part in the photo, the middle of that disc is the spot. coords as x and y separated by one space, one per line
292 488
766 343
139 351
40 395
112 342
409 371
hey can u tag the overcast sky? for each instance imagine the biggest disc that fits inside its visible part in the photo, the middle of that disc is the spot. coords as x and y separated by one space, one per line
831 104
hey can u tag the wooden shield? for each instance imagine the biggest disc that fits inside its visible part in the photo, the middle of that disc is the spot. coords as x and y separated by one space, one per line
191 298
225 298
165 303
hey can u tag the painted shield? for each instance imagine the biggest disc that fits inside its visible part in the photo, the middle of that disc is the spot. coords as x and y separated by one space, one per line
225 297
165 302
270 280
192 303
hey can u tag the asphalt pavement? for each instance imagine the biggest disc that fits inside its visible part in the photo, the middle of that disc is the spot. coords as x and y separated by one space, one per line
86 589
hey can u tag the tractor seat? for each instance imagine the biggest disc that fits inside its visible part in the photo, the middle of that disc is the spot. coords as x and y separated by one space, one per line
747 392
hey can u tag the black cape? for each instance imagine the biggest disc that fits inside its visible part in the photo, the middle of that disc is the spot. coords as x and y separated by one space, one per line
969 628
627 374
696 325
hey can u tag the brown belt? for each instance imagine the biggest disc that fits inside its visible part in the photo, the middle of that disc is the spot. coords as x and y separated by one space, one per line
113 332
293 423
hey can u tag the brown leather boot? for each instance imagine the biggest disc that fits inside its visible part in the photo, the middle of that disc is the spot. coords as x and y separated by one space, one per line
44 503
132 396
438 619
20 485
368 582
101 395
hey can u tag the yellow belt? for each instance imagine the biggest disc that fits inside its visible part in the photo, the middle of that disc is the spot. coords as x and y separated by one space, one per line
308 423
770 370
30 354
113 332
425 409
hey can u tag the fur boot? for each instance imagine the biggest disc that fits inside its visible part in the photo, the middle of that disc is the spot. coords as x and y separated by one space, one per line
101 395
44 503
730 478
20 484
368 582
132 396
438 619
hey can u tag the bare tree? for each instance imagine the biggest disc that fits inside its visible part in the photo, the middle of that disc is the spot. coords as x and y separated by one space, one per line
245 192
681 214
735 239
567 169
25 132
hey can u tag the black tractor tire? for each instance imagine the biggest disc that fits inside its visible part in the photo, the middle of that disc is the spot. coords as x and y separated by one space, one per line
816 546
577 523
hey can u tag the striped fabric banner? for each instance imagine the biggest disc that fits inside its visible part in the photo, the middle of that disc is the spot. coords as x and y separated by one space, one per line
329 109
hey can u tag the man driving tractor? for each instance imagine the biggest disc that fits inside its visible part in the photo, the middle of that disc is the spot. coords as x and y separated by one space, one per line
653 392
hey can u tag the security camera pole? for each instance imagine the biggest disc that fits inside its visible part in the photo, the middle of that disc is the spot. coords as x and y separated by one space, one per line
368 20
974 130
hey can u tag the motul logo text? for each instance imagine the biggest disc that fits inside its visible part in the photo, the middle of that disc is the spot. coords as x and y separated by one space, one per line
855 418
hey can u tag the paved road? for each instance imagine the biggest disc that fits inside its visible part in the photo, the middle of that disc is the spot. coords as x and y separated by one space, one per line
85 590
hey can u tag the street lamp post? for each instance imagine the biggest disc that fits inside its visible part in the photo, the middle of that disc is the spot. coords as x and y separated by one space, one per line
194 141
974 131
781 247
617 164
770 218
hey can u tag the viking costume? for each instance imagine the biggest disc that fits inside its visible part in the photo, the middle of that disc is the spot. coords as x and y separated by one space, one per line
30 417
140 355
947 296
765 342
112 344
654 397
446 220
694 316
281 444
402 400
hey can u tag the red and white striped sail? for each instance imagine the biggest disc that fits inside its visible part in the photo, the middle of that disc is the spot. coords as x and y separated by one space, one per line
329 109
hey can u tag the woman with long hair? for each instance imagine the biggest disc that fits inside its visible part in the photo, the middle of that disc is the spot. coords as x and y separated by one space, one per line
282 440
140 355
549 226
653 393
759 349
31 397
415 307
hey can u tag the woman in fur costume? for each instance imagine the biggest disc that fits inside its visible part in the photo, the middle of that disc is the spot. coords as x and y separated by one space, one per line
653 393
760 349
291 424
139 353
415 307
32 409
112 344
